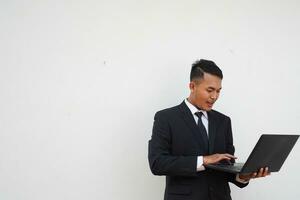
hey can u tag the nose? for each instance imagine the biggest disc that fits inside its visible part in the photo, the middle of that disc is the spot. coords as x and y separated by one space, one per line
214 96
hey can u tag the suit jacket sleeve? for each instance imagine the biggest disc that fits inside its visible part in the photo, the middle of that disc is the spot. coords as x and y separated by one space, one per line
159 153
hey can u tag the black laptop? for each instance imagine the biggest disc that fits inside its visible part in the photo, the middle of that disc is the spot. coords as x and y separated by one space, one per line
270 151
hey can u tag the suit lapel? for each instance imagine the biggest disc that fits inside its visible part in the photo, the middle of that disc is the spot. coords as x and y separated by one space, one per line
211 130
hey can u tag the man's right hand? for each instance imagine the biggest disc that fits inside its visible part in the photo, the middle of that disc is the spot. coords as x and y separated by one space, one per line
215 158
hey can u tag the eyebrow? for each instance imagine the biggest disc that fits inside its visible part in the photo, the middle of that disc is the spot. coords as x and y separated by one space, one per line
213 88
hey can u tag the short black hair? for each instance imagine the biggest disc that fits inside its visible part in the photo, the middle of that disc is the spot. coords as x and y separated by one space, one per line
204 66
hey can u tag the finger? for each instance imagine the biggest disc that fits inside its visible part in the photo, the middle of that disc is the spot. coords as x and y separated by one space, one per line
260 172
266 171
230 156
226 158
222 157
254 175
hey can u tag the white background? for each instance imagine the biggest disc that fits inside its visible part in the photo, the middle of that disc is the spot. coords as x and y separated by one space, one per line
80 82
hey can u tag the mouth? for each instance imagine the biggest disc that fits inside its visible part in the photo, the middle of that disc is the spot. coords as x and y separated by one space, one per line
210 104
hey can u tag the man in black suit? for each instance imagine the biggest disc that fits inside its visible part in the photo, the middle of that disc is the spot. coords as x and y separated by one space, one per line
190 135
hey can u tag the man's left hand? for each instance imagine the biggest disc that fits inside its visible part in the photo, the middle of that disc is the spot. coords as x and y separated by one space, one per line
262 172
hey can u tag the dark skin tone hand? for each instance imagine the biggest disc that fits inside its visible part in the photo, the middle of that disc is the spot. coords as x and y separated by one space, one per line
215 158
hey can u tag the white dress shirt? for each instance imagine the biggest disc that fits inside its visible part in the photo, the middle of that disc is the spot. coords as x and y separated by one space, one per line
204 119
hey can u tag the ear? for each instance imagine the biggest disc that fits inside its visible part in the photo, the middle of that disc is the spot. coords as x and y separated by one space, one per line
192 86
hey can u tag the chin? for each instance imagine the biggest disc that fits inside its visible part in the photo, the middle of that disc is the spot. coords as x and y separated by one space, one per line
207 108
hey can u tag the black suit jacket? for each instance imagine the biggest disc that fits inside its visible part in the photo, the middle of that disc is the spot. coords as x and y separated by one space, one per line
173 150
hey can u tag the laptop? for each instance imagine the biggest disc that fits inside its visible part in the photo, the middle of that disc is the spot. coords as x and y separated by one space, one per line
270 151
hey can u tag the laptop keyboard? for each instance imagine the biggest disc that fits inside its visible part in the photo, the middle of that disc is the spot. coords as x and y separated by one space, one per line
234 166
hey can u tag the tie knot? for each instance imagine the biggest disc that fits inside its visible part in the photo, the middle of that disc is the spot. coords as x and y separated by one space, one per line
199 114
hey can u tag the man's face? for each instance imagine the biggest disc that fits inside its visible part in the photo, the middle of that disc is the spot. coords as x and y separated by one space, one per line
205 92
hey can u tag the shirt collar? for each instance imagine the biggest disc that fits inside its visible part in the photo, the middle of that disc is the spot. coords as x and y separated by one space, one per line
193 109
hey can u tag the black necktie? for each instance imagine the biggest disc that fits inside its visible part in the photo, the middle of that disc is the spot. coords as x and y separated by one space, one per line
202 130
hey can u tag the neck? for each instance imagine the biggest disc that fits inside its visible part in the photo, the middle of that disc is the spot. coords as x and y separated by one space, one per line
190 99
